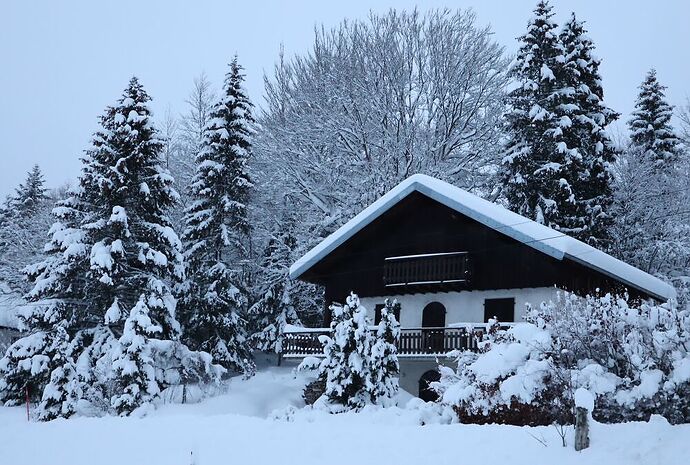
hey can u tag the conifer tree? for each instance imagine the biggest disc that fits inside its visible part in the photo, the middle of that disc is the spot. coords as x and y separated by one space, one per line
384 355
24 219
216 228
531 173
112 254
53 308
275 308
135 253
346 367
582 141
27 364
29 195
650 124
133 364
134 248
63 391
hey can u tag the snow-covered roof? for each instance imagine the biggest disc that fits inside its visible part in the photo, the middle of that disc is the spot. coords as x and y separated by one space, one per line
537 236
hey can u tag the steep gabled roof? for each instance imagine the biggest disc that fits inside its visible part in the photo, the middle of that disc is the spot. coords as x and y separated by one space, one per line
494 216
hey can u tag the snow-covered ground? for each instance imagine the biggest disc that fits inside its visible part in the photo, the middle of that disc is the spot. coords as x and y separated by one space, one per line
240 427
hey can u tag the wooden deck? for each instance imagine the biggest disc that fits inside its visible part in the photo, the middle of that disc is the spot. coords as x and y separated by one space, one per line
414 342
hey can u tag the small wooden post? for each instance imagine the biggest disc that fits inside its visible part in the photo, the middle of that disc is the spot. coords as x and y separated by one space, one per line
581 428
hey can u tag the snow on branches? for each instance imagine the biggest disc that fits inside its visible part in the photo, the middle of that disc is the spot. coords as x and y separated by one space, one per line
632 358
360 368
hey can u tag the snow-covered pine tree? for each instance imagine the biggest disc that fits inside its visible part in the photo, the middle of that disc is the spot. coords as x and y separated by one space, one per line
63 391
384 355
112 244
135 253
652 220
346 366
29 195
650 124
24 219
54 306
532 167
216 229
133 365
134 248
582 141
27 365
274 308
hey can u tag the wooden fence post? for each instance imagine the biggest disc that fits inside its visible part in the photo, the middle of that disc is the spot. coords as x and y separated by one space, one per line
581 428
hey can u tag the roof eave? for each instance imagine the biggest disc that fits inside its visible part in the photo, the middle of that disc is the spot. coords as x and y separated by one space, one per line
670 294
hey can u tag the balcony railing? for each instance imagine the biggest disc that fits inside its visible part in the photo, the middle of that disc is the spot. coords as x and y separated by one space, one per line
425 269
412 342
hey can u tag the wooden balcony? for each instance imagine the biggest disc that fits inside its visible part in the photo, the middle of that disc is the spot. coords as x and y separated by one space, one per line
414 342
426 269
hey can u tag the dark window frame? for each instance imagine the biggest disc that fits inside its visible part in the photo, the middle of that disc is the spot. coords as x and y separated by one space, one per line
500 312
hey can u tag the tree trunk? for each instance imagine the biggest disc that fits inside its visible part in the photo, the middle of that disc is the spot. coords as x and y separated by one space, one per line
581 429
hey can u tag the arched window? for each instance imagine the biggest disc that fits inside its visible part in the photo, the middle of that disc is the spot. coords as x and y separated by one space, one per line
425 392
433 316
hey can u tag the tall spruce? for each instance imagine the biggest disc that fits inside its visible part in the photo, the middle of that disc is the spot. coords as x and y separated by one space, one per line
650 124
557 168
583 146
216 230
111 259
531 170
133 248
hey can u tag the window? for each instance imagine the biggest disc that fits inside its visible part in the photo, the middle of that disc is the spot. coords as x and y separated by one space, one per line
377 313
501 309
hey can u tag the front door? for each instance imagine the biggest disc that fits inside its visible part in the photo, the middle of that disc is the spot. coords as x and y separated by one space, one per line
426 393
434 318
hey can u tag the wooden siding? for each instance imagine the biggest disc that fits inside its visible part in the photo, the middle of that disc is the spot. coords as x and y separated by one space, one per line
420 225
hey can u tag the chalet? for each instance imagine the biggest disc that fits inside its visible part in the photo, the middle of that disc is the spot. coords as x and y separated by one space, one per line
453 260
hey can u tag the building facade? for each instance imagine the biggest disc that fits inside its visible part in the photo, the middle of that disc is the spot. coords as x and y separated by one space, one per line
453 261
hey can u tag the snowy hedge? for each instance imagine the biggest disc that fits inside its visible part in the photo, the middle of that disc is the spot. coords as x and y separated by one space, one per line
633 358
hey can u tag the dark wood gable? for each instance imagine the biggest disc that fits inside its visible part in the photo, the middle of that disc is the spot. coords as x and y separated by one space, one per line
419 225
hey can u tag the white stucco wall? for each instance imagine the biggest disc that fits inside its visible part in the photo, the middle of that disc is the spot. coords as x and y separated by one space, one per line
463 306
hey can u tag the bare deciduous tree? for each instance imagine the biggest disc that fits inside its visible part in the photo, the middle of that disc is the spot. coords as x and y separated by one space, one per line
376 101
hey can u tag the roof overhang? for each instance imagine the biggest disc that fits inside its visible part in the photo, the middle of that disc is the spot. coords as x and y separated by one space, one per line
494 216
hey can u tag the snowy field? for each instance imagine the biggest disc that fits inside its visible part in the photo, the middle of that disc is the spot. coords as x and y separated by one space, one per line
240 428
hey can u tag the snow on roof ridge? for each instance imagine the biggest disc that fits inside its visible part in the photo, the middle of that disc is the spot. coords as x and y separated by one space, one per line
529 232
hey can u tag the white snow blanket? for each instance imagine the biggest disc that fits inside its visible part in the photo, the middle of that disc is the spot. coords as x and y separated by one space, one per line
240 428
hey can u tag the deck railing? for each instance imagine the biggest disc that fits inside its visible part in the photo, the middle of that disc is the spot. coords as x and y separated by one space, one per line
412 342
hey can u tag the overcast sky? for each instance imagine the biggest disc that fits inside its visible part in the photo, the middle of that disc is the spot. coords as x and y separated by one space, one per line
62 63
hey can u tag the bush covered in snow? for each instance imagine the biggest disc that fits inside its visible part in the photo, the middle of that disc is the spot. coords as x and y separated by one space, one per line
632 357
511 380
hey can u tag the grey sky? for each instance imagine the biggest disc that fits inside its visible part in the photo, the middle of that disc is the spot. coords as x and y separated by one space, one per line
61 64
